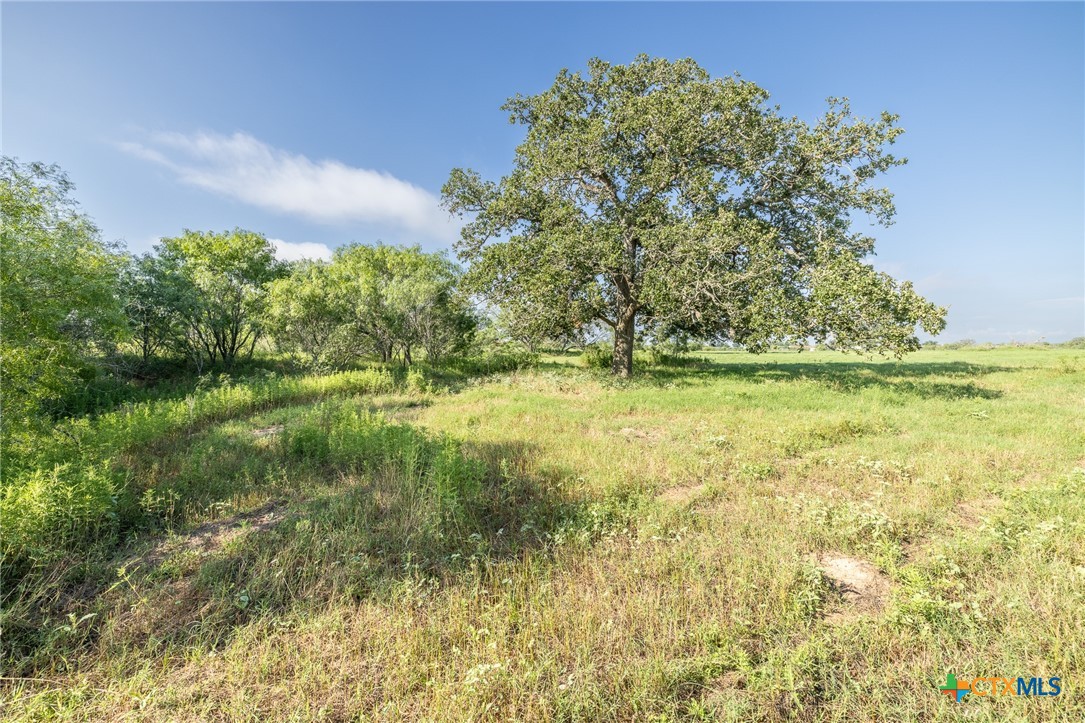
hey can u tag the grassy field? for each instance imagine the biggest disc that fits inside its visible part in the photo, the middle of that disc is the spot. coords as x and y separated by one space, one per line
783 537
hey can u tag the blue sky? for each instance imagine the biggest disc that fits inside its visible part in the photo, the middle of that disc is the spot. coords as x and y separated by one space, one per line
324 124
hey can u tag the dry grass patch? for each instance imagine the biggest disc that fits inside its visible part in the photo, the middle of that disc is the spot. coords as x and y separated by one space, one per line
211 536
680 495
268 431
646 435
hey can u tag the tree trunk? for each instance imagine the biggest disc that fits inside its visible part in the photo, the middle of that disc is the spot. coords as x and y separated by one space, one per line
622 365
626 316
146 346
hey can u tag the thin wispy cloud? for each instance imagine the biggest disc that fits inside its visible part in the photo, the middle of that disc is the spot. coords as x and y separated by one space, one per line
246 169
288 251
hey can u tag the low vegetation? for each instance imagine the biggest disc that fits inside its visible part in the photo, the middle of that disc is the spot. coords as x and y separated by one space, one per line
236 488
551 543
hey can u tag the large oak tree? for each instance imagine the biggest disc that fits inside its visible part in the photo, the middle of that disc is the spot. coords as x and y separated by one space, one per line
652 195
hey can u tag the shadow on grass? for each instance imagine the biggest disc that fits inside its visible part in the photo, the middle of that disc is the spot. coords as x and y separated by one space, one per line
381 537
385 527
924 380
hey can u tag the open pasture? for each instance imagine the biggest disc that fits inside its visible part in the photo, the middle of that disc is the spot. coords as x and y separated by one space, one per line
780 537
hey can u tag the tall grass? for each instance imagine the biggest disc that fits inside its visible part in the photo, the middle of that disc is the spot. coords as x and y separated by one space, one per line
648 550
65 488
383 492
362 443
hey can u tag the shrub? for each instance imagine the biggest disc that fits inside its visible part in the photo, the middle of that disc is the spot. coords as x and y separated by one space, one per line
417 382
63 488
598 356
495 361
663 356
49 509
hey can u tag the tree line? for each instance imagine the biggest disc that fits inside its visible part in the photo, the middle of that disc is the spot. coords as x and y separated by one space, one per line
649 201
72 303
211 297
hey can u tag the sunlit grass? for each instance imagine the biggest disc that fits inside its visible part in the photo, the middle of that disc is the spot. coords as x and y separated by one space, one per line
554 545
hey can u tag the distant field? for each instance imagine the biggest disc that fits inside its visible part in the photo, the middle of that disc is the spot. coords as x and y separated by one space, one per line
779 537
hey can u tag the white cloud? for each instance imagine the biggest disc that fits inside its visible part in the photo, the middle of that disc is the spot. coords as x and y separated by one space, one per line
287 251
244 168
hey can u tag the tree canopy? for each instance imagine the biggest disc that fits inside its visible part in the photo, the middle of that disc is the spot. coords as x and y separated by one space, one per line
652 195
59 302
402 299
218 286
305 317
387 300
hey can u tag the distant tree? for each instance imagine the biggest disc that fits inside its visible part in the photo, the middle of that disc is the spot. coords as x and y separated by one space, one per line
444 323
671 341
305 314
58 304
359 277
221 290
421 293
535 326
154 300
399 299
653 194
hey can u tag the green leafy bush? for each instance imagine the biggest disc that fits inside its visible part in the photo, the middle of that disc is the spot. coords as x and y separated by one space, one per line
492 361
598 356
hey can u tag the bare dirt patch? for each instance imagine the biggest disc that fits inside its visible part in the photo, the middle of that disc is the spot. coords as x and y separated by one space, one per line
863 587
212 536
647 435
973 513
678 495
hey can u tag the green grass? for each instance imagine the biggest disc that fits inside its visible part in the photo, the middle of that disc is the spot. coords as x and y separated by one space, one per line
551 544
